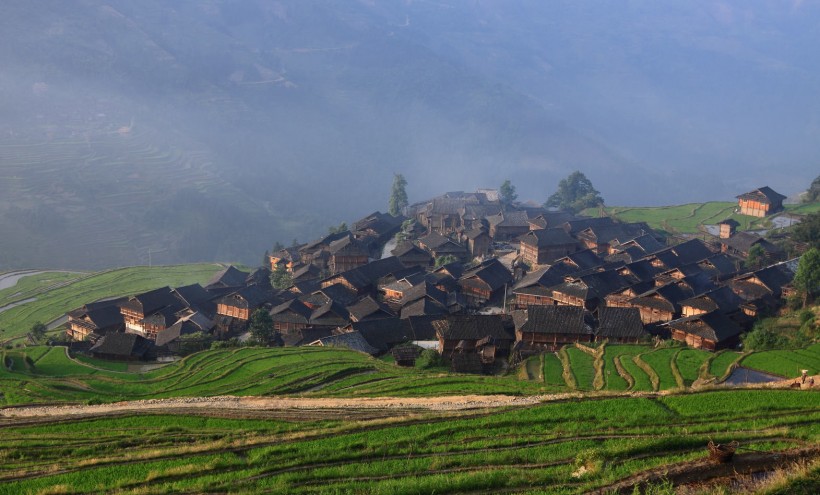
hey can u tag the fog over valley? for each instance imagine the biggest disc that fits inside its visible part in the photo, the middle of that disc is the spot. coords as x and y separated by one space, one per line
200 130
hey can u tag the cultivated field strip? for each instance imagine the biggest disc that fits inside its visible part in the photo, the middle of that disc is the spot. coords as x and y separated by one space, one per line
48 375
531 449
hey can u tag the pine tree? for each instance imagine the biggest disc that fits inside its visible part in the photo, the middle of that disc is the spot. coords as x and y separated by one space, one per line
398 195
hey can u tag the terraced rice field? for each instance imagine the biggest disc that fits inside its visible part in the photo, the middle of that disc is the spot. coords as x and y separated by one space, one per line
55 301
525 450
785 363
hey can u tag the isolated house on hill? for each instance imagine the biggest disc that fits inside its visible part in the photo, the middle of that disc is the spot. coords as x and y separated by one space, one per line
760 202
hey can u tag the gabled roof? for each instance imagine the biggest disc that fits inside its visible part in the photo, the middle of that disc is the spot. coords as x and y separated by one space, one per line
293 311
547 237
228 277
730 222
721 299
642 270
383 334
667 297
583 260
367 307
366 275
555 319
330 313
471 327
184 326
346 246
424 306
122 345
691 251
152 301
545 277
743 242
764 194
424 289
247 297
646 243
307 272
351 340
719 265
713 326
406 248
476 233
492 272
624 323
323 242
336 292
192 295
421 326
510 219
573 226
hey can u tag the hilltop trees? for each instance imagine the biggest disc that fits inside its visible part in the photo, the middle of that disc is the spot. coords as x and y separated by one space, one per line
807 278
574 194
398 195
506 193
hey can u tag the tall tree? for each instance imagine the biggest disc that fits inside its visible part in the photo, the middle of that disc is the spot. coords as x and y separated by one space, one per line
506 193
807 278
261 326
398 195
574 194
813 194
280 278
756 257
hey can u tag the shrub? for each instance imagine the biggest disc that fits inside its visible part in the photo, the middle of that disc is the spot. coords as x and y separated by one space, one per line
429 358
762 338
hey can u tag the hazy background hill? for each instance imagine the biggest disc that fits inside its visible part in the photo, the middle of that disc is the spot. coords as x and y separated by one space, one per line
201 130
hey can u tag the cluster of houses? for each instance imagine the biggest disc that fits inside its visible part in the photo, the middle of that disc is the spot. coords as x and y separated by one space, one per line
510 280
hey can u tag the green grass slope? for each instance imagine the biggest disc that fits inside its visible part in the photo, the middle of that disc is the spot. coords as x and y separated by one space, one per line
54 303
521 450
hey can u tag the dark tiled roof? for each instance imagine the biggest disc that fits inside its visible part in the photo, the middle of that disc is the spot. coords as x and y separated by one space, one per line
424 306
307 272
642 270
547 237
305 336
351 340
719 264
583 260
424 289
555 319
337 292
743 242
722 299
573 226
293 311
192 295
346 246
471 327
368 307
228 277
764 194
510 219
122 345
385 333
247 297
691 251
622 323
713 326
730 222
152 301
492 272
421 326
407 247
175 331
323 242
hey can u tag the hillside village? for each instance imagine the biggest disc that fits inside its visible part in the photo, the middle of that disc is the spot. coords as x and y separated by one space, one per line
479 281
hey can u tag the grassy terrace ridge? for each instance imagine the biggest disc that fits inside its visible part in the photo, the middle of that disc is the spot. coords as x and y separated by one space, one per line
80 289
688 218
47 375
523 450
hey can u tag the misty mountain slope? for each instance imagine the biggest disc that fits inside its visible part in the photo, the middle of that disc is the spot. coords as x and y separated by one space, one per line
205 130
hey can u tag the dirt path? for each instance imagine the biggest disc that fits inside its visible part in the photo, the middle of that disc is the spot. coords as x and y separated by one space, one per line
452 403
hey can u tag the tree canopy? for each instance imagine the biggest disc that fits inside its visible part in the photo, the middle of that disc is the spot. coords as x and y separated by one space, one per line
261 326
574 194
813 194
280 278
807 278
398 195
506 193
808 230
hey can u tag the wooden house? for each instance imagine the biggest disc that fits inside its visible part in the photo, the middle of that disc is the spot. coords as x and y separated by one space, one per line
123 347
539 247
727 228
741 243
95 318
465 331
474 216
600 239
760 202
661 304
761 290
227 278
346 254
438 245
620 325
534 288
722 300
442 215
364 279
485 282
508 225
288 257
411 255
478 242
550 327
588 291
379 226
581 260
304 273
709 331
290 316
382 334
242 303
137 308
191 324
368 308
